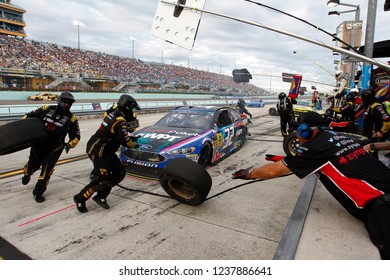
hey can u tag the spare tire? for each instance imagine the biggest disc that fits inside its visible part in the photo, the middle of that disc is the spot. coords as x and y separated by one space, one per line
290 143
186 181
272 111
21 134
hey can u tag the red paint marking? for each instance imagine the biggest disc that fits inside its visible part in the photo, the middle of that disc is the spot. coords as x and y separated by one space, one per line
47 215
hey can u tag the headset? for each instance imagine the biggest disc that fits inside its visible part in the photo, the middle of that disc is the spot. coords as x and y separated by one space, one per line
305 131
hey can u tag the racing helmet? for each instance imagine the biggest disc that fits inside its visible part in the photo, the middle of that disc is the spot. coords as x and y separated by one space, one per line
354 91
368 96
65 100
282 95
338 73
127 105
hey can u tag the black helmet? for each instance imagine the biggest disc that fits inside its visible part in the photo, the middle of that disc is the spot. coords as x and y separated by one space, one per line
127 104
368 96
65 97
282 95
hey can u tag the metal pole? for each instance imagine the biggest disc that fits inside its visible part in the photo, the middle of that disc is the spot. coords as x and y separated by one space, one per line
369 42
353 64
315 42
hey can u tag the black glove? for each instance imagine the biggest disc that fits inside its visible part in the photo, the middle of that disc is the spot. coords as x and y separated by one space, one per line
242 174
67 147
135 138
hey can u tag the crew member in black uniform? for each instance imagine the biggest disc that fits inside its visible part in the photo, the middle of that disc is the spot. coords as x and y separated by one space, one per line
376 124
59 123
347 109
131 127
241 107
358 180
286 113
102 148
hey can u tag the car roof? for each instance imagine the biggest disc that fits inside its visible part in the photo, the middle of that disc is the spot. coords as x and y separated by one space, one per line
201 108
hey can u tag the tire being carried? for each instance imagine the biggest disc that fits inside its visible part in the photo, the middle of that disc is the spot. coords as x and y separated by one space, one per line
186 181
21 134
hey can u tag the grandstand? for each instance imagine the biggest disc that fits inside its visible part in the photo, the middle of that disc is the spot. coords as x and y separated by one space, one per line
42 66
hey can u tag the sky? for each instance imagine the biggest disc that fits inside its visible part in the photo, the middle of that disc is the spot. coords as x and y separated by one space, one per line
123 27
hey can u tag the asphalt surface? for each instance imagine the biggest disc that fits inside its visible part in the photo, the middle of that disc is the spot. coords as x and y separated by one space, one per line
245 223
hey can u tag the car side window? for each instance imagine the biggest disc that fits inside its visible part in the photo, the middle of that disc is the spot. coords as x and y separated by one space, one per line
235 116
224 119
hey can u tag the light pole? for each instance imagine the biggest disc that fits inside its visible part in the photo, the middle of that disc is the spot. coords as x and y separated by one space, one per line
334 3
220 68
133 39
369 42
78 24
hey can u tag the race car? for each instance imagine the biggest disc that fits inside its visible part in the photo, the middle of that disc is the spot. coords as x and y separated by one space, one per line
203 134
43 96
256 103
302 106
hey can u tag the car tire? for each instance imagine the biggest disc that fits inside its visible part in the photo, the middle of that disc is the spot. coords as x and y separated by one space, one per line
21 134
186 181
290 143
272 111
205 155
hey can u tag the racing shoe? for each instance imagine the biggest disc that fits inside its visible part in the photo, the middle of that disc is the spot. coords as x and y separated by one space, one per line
39 198
80 205
26 179
102 202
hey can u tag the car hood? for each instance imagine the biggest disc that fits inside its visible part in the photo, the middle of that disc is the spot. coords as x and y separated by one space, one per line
158 139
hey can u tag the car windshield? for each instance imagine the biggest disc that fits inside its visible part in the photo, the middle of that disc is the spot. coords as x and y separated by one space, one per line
187 119
303 103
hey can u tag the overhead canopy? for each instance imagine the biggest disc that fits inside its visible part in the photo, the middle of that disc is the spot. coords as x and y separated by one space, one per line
381 49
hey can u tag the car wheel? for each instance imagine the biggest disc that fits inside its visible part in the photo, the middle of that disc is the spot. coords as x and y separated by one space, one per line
272 111
186 181
290 143
205 155
21 134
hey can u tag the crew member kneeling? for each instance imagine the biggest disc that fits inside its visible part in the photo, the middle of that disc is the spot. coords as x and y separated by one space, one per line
358 181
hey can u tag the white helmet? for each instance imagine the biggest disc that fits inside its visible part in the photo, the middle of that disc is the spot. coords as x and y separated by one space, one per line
338 73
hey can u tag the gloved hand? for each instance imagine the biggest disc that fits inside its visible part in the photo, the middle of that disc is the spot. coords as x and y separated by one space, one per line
135 138
67 147
242 174
273 158
133 144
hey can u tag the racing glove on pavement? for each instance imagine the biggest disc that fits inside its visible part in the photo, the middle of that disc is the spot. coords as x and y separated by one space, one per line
243 174
273 158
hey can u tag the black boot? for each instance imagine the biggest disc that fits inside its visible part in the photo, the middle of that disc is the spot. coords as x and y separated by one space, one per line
80 204
26 179
102 202
39 198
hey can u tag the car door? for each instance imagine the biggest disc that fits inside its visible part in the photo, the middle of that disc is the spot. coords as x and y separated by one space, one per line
225 131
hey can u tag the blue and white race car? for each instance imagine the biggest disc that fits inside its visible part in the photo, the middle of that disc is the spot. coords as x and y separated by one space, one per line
204 134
